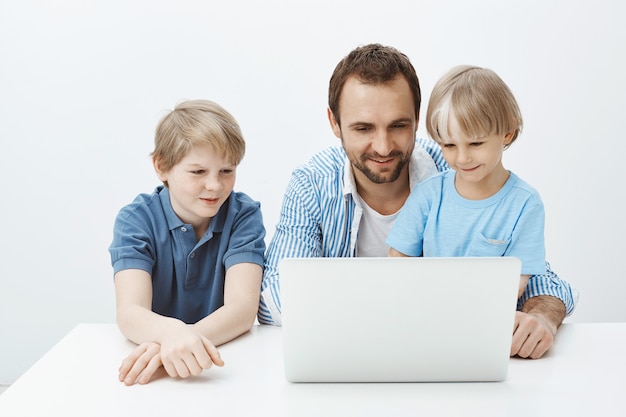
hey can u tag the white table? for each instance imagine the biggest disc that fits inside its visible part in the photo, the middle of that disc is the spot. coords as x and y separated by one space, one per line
584 374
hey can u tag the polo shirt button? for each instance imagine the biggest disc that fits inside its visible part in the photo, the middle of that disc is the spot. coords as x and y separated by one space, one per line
183 229
192 255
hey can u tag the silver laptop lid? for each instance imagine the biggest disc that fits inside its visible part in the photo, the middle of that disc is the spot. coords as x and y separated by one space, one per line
398 319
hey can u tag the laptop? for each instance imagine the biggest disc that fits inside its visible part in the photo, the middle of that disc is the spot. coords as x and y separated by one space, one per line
398 319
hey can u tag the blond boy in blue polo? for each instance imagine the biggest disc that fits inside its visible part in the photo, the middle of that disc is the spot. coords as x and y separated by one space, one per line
188 258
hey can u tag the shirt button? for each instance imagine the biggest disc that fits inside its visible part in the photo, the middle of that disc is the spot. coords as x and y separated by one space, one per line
183 229
192 255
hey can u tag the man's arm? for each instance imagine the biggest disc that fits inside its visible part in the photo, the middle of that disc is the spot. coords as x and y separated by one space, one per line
549 284
297 235
542 308
536 326
551 309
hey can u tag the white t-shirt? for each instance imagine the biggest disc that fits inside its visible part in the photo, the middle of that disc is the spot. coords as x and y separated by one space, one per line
373 231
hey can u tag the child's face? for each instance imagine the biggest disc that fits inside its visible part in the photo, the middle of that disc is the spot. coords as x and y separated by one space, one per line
477 161
199 184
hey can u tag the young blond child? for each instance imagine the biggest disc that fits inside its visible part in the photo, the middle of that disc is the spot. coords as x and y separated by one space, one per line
478 208
188 258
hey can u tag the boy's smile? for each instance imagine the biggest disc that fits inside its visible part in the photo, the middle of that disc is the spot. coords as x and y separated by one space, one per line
199 184
477 161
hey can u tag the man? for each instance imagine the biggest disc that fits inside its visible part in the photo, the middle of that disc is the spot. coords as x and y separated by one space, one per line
344 201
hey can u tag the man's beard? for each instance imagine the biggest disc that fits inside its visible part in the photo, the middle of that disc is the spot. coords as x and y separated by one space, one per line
360 164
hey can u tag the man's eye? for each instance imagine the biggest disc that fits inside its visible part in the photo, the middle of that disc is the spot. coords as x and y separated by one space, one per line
361 128
399 126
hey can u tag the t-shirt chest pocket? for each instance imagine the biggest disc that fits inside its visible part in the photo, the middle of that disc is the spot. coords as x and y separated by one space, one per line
482 245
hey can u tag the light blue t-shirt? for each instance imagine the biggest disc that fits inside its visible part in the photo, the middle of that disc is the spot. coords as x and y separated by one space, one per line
187 275
437 221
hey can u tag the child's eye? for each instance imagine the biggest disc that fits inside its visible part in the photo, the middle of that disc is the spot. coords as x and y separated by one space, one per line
198 172
228 171
449 145
475 144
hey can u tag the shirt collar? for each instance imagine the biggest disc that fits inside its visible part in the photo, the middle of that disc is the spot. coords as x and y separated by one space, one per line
173 222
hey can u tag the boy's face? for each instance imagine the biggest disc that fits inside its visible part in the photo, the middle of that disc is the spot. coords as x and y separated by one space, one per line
199 184
378 126
477 161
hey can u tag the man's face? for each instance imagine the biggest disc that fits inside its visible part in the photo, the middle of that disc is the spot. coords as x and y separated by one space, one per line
377 130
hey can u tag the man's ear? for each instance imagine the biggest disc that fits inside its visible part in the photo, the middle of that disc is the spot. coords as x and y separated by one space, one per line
333 123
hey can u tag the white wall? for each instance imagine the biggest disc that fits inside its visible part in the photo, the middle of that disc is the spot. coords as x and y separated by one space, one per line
83 84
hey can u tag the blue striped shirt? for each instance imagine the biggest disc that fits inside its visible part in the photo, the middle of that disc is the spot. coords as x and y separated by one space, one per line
320 218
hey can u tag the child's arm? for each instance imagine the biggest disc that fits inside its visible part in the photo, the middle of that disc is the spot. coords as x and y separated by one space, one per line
242 291
394 253
183 350
523 281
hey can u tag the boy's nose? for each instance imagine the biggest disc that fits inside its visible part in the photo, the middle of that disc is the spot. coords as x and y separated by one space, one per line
212 183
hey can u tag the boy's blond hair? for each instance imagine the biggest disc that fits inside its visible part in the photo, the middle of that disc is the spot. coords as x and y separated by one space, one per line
479 100
197 122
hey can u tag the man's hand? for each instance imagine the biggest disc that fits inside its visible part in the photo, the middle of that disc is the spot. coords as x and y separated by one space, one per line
140 366
536 326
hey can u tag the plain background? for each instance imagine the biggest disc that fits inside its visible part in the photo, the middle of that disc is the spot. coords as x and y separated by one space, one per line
83 85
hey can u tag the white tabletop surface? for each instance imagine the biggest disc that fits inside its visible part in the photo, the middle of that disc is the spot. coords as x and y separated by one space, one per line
584 374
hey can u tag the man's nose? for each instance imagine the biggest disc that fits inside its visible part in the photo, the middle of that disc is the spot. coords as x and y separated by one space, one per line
382 143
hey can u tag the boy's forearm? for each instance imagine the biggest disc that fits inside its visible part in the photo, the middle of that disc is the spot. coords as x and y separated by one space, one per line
141 325
227 323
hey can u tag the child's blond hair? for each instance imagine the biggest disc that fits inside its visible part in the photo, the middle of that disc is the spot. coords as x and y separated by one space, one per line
197 122
479 100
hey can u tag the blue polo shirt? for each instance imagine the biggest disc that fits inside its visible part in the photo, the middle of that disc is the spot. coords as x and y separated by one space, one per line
187 275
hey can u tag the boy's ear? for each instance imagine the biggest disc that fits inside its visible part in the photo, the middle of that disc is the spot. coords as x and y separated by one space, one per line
159 171
508 138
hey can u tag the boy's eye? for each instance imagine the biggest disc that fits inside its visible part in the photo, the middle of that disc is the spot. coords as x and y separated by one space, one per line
449 145
198 172
228 171
475 144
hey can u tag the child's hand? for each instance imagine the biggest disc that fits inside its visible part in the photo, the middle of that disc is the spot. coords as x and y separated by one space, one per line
140 366
184 352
